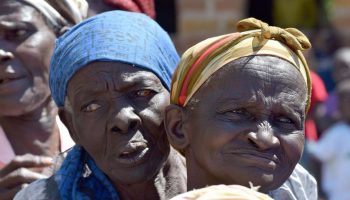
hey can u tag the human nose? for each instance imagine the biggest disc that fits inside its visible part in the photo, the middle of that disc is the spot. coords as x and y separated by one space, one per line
124 121
263 137
5 55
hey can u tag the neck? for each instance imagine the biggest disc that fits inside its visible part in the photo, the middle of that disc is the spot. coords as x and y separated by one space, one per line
169 182
35 132
197 177
145 190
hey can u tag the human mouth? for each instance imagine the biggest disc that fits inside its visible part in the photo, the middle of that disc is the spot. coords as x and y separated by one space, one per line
258 159
10 83
6 80
133 154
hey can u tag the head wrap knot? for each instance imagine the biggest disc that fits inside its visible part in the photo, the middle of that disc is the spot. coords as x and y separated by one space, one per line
202 60
289 36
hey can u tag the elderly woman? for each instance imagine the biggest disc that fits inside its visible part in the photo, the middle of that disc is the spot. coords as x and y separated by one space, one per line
28 125
110 77
238 108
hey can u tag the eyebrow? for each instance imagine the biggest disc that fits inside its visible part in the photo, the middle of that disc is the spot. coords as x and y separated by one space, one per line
294 110
238 101
90 88
132 81
6 24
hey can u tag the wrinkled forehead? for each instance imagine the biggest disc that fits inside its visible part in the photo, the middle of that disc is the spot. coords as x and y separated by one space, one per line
98 73
12 3
264 66
257 72
14 8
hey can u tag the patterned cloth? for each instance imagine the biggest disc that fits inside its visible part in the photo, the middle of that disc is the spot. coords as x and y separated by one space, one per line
142 6
118 36
223 192
299 186
255 37
80 178
60 13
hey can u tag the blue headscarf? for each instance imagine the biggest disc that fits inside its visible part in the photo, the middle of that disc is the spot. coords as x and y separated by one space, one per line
119 36
79 178
116 36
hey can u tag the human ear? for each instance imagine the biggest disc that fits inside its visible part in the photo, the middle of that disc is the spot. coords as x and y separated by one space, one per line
174 116
66 118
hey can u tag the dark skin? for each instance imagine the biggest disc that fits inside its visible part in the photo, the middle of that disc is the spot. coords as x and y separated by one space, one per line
115 112
249 130
27 113
96 7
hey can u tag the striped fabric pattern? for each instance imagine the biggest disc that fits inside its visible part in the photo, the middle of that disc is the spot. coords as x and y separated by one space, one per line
256 38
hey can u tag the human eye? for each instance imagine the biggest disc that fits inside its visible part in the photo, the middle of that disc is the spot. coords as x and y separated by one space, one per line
17 34
144 93
91 107
20 32
286 122
237 114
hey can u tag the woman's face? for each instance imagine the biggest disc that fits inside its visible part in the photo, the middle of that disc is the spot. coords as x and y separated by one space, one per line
117 116
26 45
246 124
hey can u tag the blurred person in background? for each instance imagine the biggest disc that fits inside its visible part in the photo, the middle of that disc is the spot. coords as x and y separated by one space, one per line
333 149
30 133
142 6
328 112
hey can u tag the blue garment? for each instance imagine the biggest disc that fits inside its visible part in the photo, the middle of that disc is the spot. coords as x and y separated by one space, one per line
76 181
121 36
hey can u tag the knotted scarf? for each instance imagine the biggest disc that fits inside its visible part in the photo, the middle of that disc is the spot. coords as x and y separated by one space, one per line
254 38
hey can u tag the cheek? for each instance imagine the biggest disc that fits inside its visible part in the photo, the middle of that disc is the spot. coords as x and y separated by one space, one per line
90 131
35 54
293 145
153 114
214 131
206 138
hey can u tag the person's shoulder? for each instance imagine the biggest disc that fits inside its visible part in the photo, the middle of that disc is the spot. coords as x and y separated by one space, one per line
304 183
301 185
335 130
43 189
304 176
339 126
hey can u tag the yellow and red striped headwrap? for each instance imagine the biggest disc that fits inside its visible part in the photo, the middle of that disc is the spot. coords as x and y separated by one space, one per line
255 37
